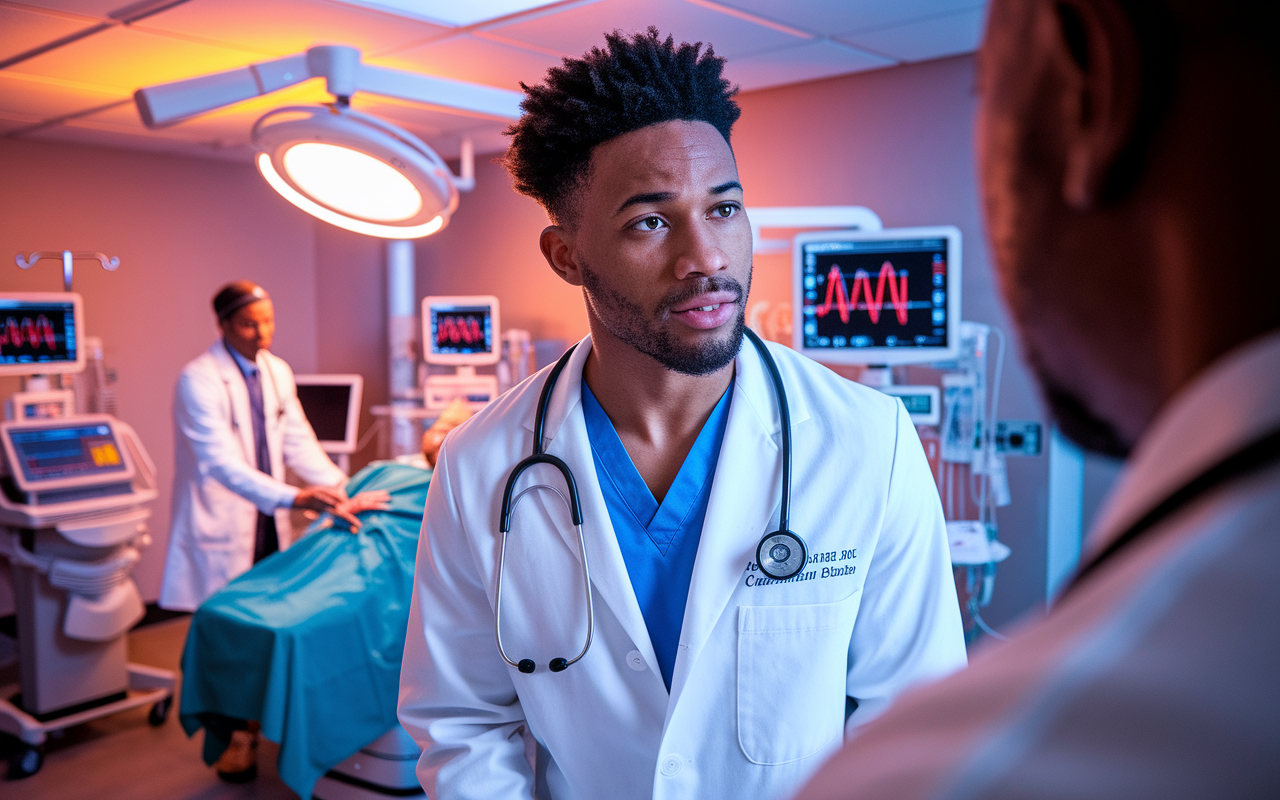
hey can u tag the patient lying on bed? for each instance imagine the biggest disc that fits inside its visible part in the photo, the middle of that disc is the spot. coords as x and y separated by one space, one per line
308 643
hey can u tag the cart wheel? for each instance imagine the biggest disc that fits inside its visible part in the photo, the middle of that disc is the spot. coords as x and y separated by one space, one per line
160 711
26 762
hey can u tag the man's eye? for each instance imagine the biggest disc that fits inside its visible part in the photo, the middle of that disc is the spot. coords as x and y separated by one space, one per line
650 224
725 210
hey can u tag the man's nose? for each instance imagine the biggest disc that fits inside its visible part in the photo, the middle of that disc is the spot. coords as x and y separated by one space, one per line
702 252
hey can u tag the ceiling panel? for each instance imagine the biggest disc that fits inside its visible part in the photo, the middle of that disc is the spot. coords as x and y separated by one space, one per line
283 27
22 95
576 30
805 62
842 16
764 39
127 58
24 30
478 60
935 37
98 9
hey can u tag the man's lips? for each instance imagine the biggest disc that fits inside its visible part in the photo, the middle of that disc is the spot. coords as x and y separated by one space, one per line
705 302
707 311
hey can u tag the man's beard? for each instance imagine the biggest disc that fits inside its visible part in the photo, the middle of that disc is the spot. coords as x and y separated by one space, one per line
1076 419
638 329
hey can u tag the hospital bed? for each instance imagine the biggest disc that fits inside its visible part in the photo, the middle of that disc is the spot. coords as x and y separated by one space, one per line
309 643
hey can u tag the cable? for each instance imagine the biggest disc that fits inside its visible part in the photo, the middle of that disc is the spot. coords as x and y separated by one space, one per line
987 629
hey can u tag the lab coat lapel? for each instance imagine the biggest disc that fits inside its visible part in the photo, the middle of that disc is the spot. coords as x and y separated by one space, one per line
745 497
565 436
233 379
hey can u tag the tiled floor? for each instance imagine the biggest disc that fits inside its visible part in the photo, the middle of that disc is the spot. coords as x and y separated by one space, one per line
122 756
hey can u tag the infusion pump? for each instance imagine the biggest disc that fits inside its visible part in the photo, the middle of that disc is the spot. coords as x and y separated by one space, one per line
55 471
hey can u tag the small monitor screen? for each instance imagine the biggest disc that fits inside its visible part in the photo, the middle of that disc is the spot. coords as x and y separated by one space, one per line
66 451
461 329
37 333
878 298
327 407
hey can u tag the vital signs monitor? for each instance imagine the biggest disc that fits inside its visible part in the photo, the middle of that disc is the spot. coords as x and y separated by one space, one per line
40 333
877 297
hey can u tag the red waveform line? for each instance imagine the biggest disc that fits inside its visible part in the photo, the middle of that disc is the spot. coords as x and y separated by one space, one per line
28 332
458 330
845 303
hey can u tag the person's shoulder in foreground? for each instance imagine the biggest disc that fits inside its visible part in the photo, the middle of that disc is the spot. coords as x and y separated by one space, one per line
1119 142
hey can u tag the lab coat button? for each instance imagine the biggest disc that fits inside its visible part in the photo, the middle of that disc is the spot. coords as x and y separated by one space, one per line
635 661
671 765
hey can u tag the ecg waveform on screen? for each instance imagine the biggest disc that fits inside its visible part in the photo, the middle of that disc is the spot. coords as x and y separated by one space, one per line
28 333
458 330
846 302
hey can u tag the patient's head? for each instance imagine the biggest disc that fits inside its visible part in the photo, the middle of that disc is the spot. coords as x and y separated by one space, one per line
1128 165
634 82
458 412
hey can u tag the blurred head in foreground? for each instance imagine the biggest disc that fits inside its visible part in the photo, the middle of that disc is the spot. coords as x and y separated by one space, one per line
1129 170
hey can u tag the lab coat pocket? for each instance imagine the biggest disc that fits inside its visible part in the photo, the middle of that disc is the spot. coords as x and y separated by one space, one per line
793 663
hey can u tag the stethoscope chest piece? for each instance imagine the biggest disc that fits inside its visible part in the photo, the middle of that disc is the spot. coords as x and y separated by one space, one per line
781 555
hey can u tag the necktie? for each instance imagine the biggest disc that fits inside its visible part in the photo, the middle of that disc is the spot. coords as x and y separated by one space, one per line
253 380
266 541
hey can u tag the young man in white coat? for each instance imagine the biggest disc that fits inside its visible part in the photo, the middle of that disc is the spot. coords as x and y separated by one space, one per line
237 423
704 677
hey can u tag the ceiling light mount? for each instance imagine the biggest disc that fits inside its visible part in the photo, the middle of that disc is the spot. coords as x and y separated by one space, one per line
345 167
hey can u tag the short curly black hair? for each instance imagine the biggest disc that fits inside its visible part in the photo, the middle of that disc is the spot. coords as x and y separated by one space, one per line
634 82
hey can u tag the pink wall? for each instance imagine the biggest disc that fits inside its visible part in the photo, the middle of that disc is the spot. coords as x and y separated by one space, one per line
896 140
181 227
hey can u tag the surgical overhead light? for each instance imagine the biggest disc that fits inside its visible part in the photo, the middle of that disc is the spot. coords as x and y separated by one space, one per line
342 166
355 171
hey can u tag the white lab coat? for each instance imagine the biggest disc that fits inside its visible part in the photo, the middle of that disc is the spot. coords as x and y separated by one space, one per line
762 671
217 487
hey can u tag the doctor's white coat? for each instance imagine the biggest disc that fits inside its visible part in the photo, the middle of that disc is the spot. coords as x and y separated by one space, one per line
763 668
217 487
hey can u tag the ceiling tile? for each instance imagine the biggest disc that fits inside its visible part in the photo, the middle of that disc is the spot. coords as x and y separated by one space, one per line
805 62
102 137
21 31
127 58
21 95
98 9
828 17
478 60
935 37
578 29
284 27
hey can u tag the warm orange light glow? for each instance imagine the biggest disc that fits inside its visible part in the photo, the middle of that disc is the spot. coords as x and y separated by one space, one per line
352 182
334 218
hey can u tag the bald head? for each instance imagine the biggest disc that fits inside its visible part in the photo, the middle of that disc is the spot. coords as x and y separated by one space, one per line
1128 177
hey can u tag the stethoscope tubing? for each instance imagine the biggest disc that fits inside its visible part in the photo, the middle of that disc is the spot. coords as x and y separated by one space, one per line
782 535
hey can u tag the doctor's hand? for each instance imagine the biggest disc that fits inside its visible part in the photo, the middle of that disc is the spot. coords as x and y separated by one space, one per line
322 499
378 500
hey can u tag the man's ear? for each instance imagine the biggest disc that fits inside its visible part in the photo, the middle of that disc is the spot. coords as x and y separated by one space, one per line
558 249
1101 90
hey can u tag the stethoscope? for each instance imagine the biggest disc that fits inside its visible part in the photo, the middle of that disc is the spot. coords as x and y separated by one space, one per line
780 555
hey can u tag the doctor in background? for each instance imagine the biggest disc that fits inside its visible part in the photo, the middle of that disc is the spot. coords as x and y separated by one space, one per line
705 678
237 423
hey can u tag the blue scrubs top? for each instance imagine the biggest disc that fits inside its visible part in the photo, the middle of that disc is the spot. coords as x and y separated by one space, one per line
659 542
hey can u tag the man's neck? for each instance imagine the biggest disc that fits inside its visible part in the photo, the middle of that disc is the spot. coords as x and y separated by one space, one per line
657 412
252 358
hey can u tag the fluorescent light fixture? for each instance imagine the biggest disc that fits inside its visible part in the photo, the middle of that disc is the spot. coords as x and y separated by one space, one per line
452 12
355 171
